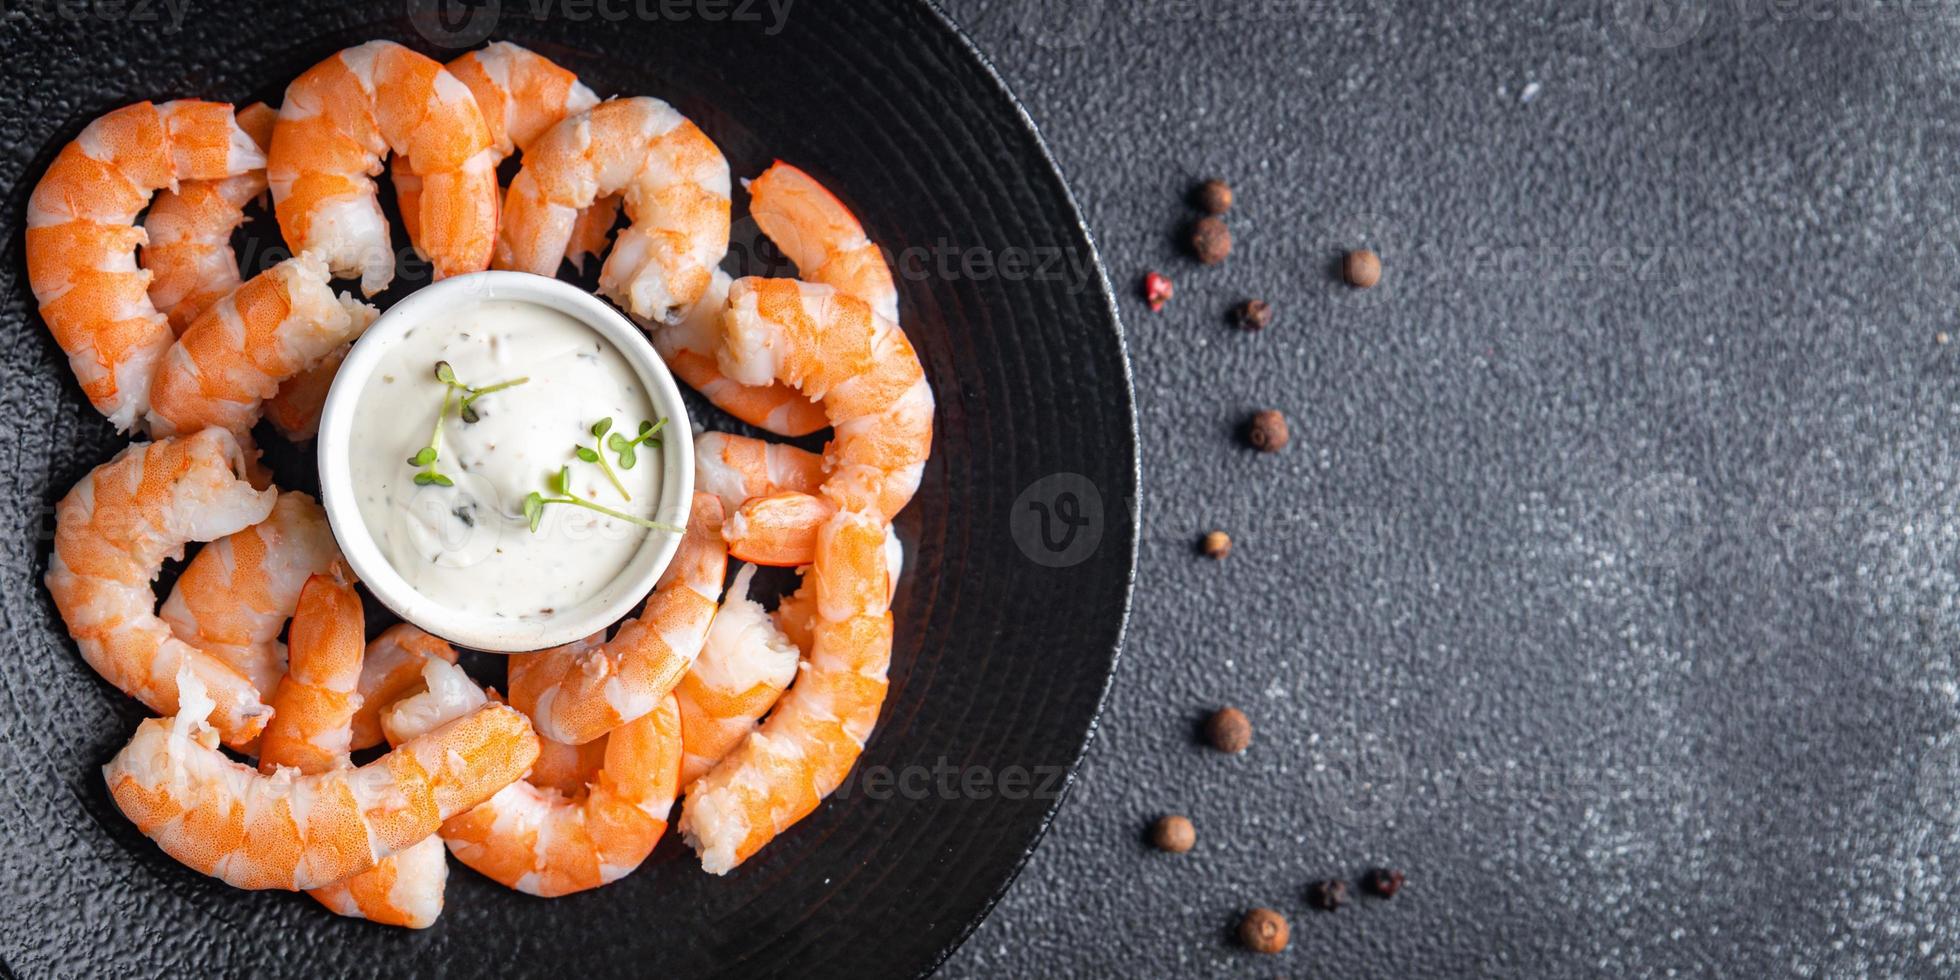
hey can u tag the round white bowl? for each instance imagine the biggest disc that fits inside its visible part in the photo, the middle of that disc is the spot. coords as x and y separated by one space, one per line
610 604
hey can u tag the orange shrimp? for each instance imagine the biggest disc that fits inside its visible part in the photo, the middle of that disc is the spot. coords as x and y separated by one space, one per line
743 668
285 320
189 231
390 671
81 239
675 184
340 119
521 94
818 233
113 532
547 841
584 692
234 598
814 735
313 711
298 832
863 371
736 468
689 347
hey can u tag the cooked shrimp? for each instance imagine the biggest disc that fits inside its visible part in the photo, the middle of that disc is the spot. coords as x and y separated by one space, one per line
814 735
285 320
81 239
295 409
864 372
817 232
189 231
547 842
234 598
736 468
340 119
744 666
113 532
675 184
521 94
390 671
585 692
297 832
313 709
689 348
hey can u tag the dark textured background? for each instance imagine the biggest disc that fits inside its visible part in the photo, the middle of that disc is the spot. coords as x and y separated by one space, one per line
1608 586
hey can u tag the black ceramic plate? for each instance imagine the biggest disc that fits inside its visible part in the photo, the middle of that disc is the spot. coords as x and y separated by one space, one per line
1020 542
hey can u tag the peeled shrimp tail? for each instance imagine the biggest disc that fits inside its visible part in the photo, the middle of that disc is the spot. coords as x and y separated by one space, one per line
295 832
81 239
736 468
818 233
584 693
285 320
189 231
780 773
235 597
114 531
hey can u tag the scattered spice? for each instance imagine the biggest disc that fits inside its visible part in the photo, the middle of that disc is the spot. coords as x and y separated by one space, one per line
1254 314
1384 881
1229 730
1941 338
1328 895
1263 931
1174 834
1267 432
1364 268
1211 240
1217 544
1156 290
1214 196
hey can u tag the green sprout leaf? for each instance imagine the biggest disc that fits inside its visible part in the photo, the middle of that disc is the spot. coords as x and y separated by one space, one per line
423 457
602 426
445 373
534 510
587 453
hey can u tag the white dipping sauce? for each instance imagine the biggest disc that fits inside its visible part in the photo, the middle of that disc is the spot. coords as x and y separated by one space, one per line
469 546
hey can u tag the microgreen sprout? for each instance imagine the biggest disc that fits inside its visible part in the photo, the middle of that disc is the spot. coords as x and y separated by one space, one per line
592 455
627 449
426 456
560 484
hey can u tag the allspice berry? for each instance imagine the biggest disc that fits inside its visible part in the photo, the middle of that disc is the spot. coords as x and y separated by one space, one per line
1217 545
1211 241
1214 196
1385 881
1254 314
1263 931
1328 895
1363 268
1174 834
1268 432
1229 730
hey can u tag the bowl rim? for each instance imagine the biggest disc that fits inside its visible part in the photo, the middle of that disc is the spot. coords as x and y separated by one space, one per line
483 632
